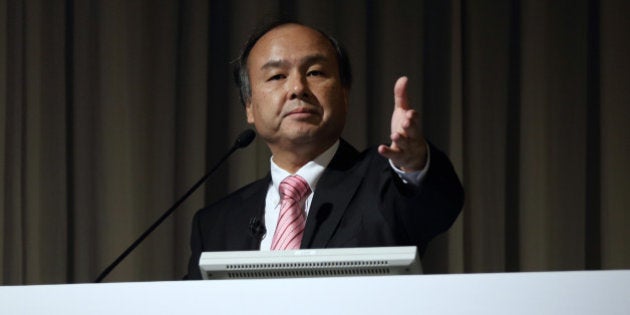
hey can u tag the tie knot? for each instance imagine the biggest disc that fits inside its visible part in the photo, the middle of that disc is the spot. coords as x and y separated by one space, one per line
294 187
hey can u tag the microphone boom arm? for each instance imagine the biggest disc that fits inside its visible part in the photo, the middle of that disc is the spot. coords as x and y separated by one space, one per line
243 140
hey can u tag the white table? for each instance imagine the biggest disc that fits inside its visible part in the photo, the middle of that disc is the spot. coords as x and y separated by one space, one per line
579 292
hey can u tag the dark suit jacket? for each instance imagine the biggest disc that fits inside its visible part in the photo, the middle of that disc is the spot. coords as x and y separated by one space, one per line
359 202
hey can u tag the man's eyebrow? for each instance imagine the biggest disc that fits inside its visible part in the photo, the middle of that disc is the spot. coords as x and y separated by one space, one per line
310 59
274 64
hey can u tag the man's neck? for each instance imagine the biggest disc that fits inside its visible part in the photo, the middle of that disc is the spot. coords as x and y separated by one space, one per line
291 160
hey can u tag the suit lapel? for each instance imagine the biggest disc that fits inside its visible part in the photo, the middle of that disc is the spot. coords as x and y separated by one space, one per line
252 207
332 196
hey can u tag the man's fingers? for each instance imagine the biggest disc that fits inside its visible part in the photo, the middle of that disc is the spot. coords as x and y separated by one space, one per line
410 125
401 142
390 152
386 151
405 150
400 93
399 145
412 121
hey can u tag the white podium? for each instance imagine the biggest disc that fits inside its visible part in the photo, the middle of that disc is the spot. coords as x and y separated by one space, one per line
579 292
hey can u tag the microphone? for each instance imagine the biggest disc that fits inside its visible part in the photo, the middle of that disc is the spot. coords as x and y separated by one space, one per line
244 139
257 229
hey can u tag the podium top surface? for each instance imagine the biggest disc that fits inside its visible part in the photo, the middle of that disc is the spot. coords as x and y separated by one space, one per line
569 292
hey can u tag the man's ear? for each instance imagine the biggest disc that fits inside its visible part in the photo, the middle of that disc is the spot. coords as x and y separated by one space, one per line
250 112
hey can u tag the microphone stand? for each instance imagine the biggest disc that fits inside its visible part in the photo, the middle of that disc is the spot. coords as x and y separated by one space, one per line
243 140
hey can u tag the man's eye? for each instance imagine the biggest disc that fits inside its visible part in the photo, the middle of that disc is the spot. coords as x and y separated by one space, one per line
276 77
315 73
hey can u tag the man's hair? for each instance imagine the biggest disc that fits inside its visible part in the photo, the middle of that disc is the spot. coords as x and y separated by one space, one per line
241 73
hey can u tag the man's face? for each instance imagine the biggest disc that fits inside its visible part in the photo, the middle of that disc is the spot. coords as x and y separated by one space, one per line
297 96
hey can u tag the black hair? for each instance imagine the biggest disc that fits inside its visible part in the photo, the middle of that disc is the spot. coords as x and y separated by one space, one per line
241 73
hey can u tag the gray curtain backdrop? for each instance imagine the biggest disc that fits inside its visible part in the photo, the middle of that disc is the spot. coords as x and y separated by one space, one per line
109 110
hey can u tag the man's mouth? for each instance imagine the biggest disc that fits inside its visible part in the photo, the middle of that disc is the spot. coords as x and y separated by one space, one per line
303 111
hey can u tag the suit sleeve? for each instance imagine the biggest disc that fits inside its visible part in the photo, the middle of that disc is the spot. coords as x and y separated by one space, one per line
430 209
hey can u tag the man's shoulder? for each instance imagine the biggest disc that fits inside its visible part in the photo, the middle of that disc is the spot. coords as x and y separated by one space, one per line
252 191
348 155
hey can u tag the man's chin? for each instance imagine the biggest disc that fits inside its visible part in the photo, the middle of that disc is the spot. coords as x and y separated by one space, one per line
303 134
315 138
302 137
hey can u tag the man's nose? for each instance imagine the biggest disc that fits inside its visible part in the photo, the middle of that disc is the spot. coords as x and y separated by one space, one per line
298 87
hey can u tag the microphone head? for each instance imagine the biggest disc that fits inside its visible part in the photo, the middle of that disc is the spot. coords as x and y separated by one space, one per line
244 139
257 229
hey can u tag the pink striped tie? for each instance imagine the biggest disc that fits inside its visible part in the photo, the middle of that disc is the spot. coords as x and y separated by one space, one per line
293 192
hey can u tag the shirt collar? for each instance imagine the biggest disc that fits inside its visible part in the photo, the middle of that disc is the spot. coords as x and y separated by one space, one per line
311 171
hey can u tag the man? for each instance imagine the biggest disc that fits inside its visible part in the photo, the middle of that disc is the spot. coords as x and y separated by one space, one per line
294 84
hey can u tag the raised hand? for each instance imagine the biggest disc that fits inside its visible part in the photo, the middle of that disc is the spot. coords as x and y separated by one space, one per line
408 149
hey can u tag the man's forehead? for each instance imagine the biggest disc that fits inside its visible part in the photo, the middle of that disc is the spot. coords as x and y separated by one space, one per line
307 59
292 29
292 37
